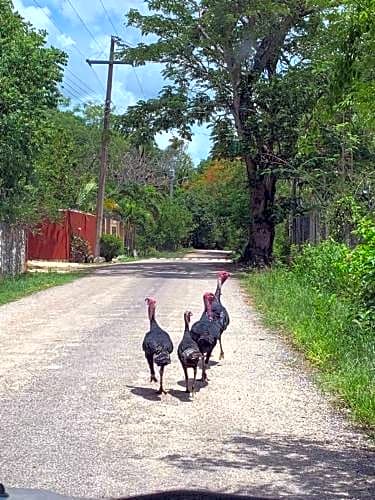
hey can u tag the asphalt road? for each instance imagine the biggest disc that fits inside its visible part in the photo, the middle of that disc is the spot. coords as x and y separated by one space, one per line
79 417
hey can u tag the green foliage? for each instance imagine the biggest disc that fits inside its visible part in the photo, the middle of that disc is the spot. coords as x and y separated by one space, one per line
218 199
322 326
110 246
323 267
174 226
361 272
29 75
348 274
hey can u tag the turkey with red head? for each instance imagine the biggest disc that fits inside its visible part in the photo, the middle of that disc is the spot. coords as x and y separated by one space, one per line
206 332
218 310
189 353
157 345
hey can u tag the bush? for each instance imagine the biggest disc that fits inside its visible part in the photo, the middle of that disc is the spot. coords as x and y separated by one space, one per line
361 272
80 250
323 266
350 274
110 246
174 226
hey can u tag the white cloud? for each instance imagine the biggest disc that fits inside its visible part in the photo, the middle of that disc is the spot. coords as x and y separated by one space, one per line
121 96
40 18
65 41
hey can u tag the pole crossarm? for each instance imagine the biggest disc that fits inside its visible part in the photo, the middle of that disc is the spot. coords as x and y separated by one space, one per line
96 61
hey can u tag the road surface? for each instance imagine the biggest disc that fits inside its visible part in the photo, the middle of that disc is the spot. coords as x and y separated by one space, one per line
79 416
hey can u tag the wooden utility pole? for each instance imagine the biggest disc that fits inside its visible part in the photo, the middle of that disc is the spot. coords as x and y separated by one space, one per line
105 142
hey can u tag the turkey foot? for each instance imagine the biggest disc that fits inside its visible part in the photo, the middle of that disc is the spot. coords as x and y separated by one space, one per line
221 355
161 391
153 378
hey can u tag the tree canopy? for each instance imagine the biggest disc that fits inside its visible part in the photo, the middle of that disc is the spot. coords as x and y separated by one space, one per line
29 77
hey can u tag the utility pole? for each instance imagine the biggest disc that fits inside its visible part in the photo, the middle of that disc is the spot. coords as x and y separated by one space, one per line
105 142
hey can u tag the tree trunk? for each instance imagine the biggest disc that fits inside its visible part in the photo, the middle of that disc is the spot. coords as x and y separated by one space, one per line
258 252
12 250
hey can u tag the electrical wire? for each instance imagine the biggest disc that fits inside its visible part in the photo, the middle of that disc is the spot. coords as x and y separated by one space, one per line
71 92
80 81
83 92
75 45
109 18
84 24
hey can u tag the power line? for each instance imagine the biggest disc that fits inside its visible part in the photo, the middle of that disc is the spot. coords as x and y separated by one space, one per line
70 90
83 92
84 24
109 18
79 79
75 45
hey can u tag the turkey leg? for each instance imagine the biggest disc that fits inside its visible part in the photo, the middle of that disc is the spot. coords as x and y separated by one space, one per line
204 374
161 390
150 361
194 380
221 349
186 379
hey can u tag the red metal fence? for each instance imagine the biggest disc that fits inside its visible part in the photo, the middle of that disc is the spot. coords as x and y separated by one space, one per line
51 240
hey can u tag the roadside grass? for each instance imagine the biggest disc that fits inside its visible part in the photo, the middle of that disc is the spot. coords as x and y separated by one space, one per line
15 288
323 328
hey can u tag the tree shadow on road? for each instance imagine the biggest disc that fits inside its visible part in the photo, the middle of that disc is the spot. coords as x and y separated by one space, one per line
192 495
316 468
167 270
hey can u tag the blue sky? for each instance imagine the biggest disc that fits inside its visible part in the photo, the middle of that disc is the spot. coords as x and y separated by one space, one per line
81 84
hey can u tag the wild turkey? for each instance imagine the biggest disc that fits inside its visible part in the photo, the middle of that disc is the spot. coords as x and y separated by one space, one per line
218 310
206 332
189 353
157 345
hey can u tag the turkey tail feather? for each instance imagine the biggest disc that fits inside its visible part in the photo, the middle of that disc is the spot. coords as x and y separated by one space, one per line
162 359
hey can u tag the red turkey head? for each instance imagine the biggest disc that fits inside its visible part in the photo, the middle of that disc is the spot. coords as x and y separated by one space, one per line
222 276
188 315
151 302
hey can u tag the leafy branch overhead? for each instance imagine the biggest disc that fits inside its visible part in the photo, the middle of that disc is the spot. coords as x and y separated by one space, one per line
213 53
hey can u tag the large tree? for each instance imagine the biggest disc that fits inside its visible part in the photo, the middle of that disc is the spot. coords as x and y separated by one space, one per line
29 77
230 58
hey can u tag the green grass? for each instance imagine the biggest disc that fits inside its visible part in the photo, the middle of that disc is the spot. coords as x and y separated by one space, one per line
26 284
323 328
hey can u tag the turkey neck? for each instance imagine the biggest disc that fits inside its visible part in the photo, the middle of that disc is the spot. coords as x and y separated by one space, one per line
151 316
208 309
187 329
218 290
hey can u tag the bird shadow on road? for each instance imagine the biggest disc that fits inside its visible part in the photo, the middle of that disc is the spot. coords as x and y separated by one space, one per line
184 397
319 469
145 393
199 384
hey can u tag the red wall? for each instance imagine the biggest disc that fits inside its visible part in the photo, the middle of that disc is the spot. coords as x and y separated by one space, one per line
84 225
51 240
